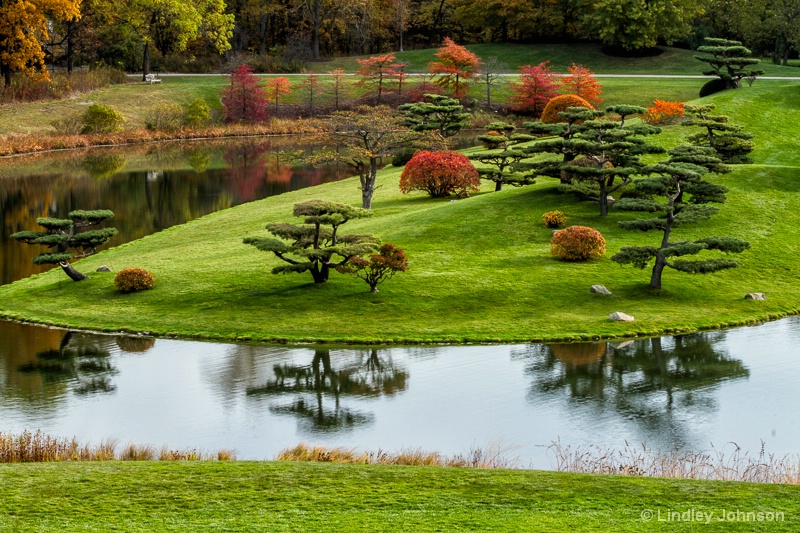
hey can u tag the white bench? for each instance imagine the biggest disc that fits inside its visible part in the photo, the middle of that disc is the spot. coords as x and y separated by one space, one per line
152 78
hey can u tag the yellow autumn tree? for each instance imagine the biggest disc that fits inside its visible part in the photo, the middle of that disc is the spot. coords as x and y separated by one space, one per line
23 29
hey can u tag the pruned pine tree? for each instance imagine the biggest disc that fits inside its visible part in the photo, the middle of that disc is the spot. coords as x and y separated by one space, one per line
501 156
599 156
316 246
729 60
685 194
63 235
441 114
731 144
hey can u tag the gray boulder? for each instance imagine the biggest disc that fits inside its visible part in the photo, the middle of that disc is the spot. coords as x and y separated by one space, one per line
755 296
103 269
620 317
599 289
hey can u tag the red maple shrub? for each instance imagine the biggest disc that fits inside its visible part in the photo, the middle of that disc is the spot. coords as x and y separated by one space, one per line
440 174
663 112
536 86
133 280
582 82
379 267
550 114
244 100
577 243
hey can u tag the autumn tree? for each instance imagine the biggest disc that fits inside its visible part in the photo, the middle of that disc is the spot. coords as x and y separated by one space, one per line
377 71
311 88
337 88
24 27
455 67
64 234
491 75
440 174
728 60
441 114
244 99
316 246
685 195
581 82
536 86
276 88
379 267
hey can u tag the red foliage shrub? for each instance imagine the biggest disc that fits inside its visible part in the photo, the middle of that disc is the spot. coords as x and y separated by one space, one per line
244 100
440 174
379 267
582 82
663 112
577 243
133 280
536 86
561 103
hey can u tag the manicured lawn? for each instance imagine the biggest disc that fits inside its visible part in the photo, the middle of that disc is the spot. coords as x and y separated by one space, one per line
292 497
480 267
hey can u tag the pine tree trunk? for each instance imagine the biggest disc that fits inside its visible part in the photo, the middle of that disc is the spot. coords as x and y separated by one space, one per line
658 269
320 273
70 271
498 185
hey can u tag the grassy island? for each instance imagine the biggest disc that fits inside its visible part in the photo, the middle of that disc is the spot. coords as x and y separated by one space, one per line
480 269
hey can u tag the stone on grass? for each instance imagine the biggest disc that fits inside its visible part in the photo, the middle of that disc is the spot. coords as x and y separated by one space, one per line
103 269
600 289
620 317
755 296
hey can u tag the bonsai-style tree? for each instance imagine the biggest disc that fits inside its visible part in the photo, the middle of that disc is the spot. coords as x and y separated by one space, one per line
440 174
730 61
455 67
502 156
679 181
728 140
441 114
379 267
63 235
497 135
244 100
314 247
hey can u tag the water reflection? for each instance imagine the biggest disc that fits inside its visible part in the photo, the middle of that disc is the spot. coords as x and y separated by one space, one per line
149 187
682 391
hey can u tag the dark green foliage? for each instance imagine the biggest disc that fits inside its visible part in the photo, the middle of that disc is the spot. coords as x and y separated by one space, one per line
680 181
729 142
503 157
729 60
441 114
63 235
403 156
316 248
99 118
713 86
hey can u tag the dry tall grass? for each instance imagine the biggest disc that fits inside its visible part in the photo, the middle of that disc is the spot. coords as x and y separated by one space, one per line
38 447
681 464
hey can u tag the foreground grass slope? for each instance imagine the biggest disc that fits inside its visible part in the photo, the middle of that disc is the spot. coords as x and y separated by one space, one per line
277 497
480 267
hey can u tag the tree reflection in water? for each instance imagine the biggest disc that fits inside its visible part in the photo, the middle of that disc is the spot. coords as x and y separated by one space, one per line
318 389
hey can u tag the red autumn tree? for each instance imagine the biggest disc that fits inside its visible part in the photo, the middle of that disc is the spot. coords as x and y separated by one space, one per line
277 87
456 66
581 81
244 99
378 71
536 86
440 174
379 267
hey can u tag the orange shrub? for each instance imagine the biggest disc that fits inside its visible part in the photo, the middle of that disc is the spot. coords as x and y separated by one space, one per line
663 112
577 243
133 280
440 174
554 219
561 103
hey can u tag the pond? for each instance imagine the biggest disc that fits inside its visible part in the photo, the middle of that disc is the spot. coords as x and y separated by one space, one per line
689 392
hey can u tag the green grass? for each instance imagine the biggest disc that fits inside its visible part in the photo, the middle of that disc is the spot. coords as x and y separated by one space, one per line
293 497
480 267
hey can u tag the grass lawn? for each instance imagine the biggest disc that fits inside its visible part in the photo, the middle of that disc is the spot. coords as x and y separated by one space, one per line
480 267
292 497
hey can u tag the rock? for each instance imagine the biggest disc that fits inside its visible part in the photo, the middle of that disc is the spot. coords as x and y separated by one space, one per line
755 296
610 200
600 289
620 317
103 269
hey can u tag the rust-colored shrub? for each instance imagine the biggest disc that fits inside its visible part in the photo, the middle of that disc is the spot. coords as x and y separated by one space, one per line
554 219
440 174
577 243
663 112
133 280
561 103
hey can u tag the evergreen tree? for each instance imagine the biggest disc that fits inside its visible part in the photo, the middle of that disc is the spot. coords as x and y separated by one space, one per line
62 234
730 143
313 247
502 156
679 181
442 114
729 60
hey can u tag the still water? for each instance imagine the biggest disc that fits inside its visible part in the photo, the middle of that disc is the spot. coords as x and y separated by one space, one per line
690 391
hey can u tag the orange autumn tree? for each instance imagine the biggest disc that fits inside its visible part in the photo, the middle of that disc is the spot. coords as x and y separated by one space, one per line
455 67
377 71
581 82
24 28
277 87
